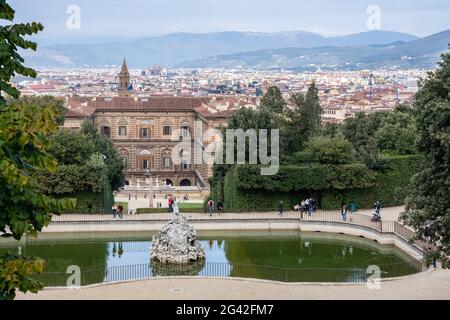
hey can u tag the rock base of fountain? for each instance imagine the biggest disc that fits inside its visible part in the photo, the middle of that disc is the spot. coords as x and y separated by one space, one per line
176 243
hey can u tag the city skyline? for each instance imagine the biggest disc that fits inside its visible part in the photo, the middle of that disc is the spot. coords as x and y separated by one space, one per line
119 20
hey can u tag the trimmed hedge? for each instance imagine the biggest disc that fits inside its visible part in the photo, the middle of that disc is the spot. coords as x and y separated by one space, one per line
245 189
391 185
87 202
309 177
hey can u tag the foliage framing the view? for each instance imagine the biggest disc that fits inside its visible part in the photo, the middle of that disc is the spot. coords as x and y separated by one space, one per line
24 142
428 205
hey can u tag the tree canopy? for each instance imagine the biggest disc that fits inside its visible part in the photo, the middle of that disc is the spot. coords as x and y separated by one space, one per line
86 162
428 204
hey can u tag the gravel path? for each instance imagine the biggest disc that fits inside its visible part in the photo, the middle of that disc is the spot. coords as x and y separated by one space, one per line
428 285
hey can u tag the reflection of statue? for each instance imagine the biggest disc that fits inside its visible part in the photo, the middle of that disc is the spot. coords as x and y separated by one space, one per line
167 270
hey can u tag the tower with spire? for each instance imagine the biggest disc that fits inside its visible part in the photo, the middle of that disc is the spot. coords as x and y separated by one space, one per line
124 81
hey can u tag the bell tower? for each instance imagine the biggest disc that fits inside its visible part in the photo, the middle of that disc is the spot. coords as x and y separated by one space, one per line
124 81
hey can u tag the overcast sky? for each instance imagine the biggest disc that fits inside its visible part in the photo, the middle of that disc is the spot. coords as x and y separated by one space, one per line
104 20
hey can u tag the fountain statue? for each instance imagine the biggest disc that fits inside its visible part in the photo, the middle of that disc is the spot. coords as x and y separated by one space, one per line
176 243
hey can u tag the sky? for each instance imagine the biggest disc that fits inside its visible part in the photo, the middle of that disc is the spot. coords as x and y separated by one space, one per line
110 20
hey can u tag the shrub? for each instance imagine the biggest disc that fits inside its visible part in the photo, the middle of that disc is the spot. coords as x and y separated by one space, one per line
332 185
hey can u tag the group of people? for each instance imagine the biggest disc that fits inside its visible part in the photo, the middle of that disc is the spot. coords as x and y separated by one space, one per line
377 213
117 211
173 205
376 216
306 205
212 206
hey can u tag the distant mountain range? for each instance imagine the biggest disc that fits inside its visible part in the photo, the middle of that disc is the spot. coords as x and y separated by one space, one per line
296 49
418 53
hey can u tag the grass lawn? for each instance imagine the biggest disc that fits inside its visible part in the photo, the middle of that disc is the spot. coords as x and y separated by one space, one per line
182 205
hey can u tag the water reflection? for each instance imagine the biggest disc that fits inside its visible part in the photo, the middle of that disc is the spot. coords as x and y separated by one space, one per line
303 258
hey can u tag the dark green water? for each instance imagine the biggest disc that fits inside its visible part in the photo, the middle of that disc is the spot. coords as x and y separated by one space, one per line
282 256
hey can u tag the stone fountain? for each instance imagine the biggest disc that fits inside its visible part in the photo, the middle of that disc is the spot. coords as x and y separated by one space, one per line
176 243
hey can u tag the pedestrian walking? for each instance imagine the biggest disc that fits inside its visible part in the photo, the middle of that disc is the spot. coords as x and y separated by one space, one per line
280 209
310 207
114 211
344 212
219 206
120 209
170 204
210 207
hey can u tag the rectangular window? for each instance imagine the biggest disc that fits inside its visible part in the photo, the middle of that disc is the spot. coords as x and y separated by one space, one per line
105 131
144 133
145 164
167 130
184 165
122 131
167 162
185 132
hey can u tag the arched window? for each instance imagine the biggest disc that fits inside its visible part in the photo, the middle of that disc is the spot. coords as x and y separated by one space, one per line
185 183
145 159
125 158
168 182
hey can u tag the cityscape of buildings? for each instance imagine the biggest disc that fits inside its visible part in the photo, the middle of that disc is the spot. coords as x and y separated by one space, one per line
342 93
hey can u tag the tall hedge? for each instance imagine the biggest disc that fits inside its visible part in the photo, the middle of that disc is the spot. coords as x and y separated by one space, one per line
246 190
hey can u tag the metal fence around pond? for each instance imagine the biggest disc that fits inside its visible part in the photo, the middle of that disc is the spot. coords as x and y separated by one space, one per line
224 270
362 220
324 216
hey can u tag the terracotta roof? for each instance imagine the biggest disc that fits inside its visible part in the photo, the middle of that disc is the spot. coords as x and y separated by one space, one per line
74 114
150 104
222 114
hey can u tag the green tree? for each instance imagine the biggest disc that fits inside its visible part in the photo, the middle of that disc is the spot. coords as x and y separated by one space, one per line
72 147
382 133
273 100
45 101
24 143
12 37
428 204
104 146
326 150
302 120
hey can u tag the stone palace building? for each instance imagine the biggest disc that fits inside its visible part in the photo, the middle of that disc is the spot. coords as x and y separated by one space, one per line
143 130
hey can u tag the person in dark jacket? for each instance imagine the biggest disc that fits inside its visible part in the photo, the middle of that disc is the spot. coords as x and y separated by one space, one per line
280 208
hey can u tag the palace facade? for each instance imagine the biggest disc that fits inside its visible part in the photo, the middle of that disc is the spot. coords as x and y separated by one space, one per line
143 131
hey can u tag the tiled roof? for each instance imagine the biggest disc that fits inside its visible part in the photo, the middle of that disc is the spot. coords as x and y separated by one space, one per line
70 113
222 114
150 104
